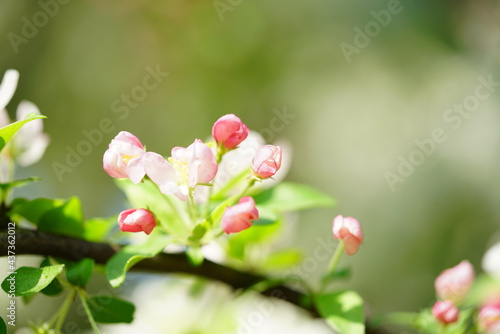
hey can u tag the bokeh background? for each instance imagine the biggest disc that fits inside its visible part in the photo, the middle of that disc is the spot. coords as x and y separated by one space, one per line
350 119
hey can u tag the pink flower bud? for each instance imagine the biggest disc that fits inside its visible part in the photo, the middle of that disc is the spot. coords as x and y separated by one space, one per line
454 283
489 318
136 220
267 161
229 131
349 231
123 158
445 312
240 216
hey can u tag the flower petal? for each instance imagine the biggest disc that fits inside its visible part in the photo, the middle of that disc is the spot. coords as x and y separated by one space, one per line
8 87
135 170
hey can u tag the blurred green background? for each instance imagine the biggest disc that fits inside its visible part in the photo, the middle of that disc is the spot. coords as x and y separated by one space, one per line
350 119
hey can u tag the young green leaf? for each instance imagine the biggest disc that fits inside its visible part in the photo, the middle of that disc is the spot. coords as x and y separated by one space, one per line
336 275
97 229
3 327
55 287
343 311
111 310
33 210
239 244
121 262
195 256
28 280
199 231
281 260
18 183
7 132
66 219
288 196
79 273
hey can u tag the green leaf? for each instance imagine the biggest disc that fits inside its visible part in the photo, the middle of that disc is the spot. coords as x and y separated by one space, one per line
240 243
282 260
264 221
147 195
3 327
18 183
7 132
195 256
55 287
343 311
111 310
121 262
79 273
66 219
27 299
408 319
30 280
97 229
199 231
336 275
288 196
33 210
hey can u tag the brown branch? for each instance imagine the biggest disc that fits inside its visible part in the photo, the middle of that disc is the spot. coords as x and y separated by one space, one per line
47 244
31 242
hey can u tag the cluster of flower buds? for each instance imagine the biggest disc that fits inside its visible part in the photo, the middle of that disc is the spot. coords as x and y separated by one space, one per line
188 168
452 285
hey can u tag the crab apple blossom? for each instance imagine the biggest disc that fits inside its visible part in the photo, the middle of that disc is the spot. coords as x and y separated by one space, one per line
136 220
229 131
454 283
445 312
186 168
240 216
489 318
349 231
29 144
123 158
267 161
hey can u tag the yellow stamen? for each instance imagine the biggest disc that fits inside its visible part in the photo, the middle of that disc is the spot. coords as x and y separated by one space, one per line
126 158
181 168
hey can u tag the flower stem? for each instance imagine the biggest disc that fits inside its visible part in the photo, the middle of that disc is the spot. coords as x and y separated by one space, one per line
174 209
192 206
335 258
83 298
249 185
230 184
63 311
